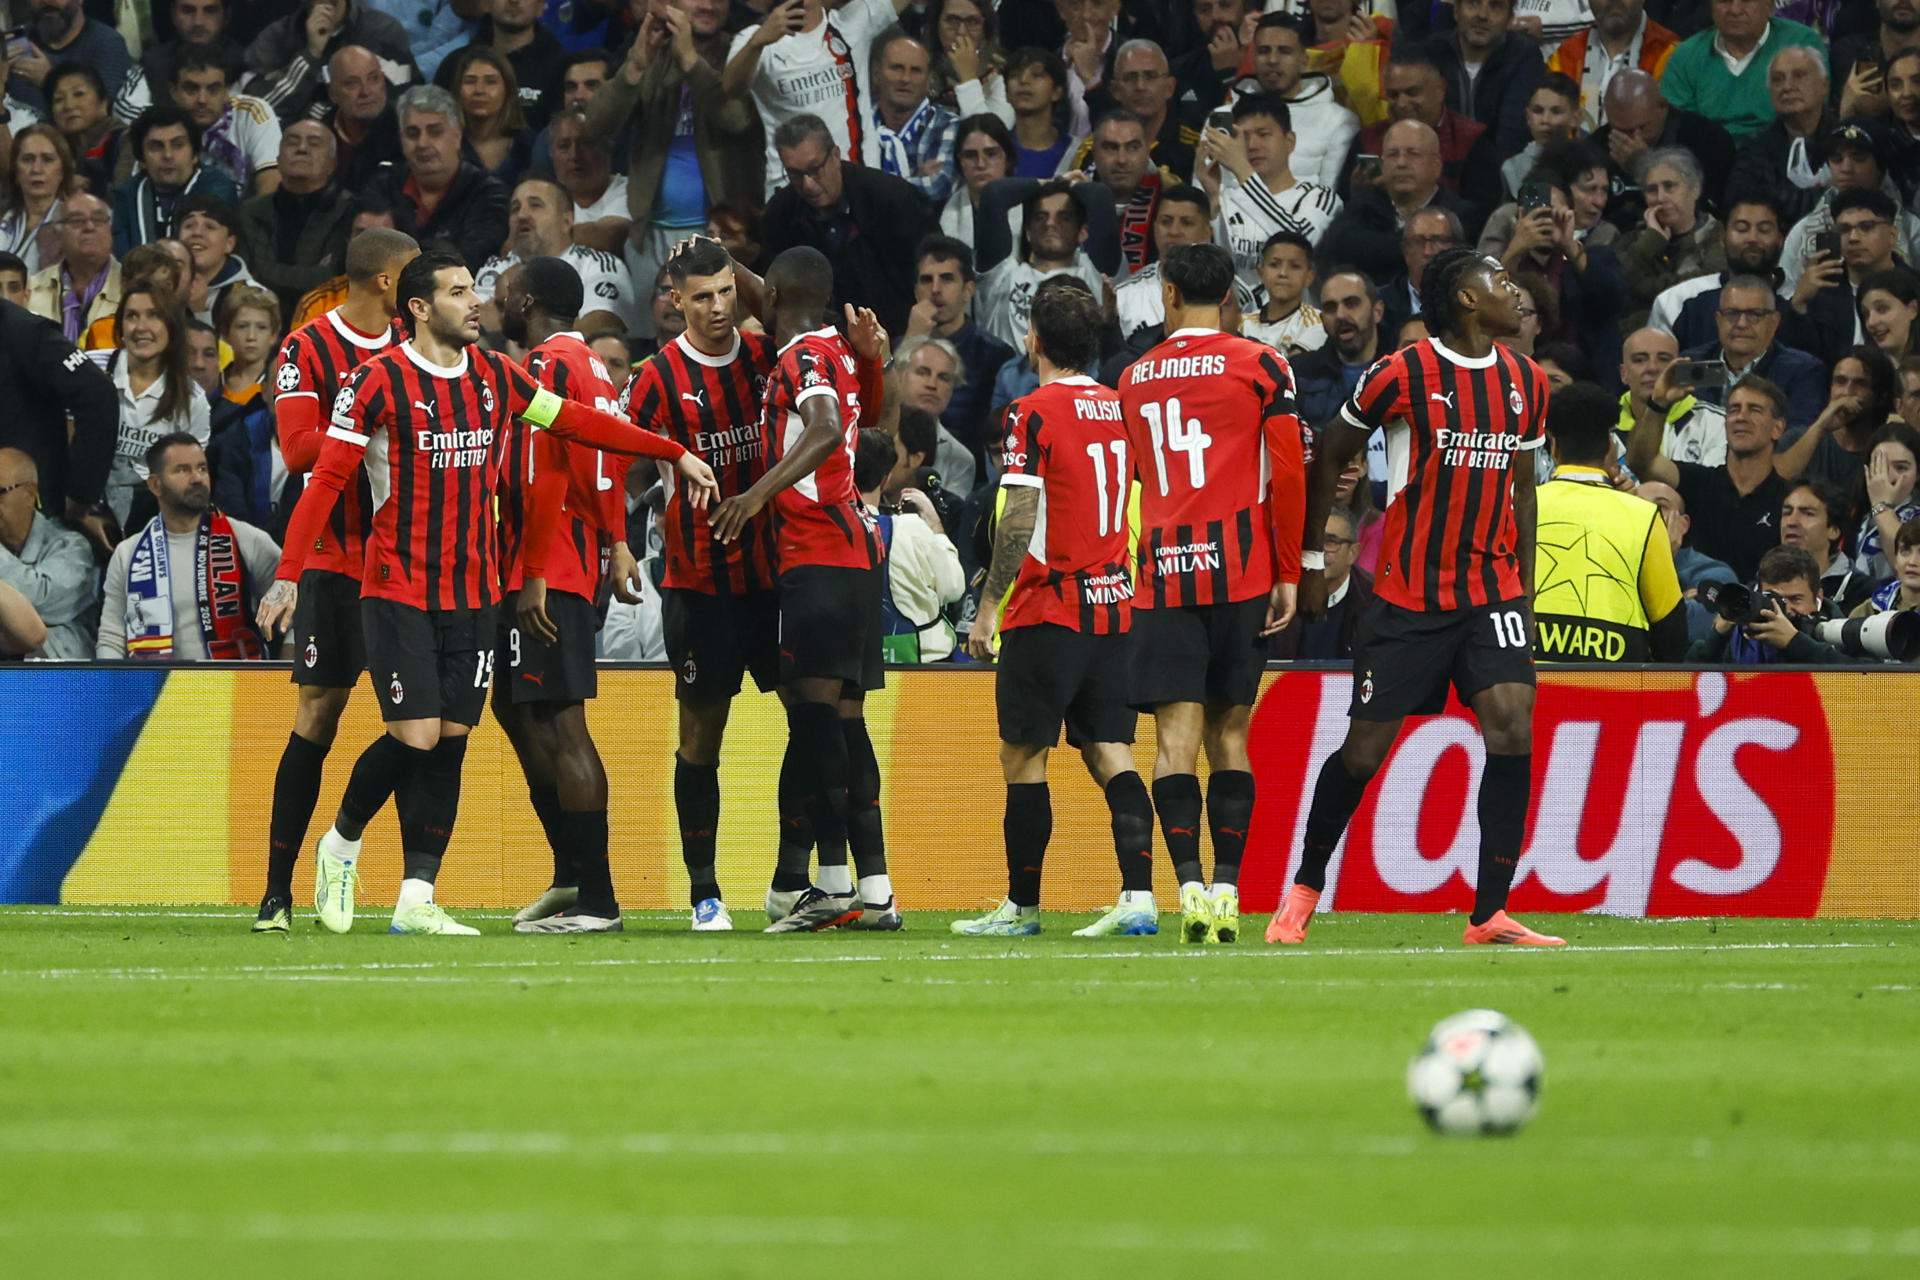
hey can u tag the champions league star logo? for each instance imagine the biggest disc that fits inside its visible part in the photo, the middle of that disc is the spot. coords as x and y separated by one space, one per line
396 692
288 378
342 403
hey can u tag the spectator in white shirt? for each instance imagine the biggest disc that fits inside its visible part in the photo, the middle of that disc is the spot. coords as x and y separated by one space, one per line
923 567
158 397
238 132
1247 170
1323 129
540 225
1285 322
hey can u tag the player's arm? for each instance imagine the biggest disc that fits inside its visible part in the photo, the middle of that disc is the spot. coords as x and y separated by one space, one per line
868 338
1012 534
821 433
610 433
1286 494
1525 511
296 415
1644 458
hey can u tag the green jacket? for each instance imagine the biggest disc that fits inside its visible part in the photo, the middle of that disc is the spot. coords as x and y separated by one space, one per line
1697 78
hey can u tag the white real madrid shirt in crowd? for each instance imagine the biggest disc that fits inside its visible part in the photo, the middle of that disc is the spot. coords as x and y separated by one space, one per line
1138 303
141 425
1251 212
1303 330
1003 300
607 283
1699 436
1558 20
821 72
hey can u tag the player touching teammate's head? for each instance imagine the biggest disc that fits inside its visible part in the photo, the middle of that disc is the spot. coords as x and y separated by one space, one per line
1065 331
799 286
1462 288
700 256
417 294
1580 422
375 259
1195 277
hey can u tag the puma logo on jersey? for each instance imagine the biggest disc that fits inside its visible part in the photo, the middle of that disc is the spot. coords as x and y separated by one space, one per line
1446 399
698 397
424 406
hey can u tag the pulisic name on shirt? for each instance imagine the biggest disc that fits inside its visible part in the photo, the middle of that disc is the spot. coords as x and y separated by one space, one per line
1098 410
1201 366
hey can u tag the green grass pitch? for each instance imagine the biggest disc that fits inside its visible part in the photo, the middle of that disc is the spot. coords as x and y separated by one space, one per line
178 1097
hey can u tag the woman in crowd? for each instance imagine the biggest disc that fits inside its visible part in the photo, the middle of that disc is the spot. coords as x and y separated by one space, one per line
42 175
1903 105
247 319
1890 475
967 62
79 107
983 150
1888 303
496 128
1679 241
157 396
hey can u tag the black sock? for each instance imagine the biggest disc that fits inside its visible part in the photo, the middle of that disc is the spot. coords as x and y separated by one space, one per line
546 807
790 872
586 837
864 832
429 803
296 790
1132 812
696 800
1177 797
1506 793
815 727
1336 794
1028 826
378 773
1229 814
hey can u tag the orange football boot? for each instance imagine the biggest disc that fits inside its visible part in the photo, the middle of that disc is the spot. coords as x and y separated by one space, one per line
1502 929
1289 923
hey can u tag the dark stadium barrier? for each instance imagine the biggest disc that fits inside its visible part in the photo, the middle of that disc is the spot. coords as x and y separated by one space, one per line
1657 792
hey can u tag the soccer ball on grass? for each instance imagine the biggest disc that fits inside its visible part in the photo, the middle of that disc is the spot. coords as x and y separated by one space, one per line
1479 1072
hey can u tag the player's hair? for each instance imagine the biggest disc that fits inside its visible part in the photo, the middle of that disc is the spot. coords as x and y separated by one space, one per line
374 250
1560 85
1271 105
1066 326
1781 565
1833 504
1440 282
1581 418
417 280
945 248
1203 273
1046 59
555 287
202 57
1872 199
803 278
1293 238
163 115
1186 194
157 451
245 297
1766 390
795 130
919 432
873 459
701 257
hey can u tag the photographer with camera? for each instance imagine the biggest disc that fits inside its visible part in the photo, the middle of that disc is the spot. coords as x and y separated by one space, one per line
1772 623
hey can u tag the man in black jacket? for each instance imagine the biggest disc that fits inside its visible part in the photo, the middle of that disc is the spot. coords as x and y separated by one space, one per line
287 58
292 239
436 195
1508 68
867 223
43 381
1638 120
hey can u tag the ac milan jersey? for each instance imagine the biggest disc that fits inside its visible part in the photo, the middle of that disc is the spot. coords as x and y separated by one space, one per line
314 364
1454 427
710 405
1069 440
435 439
1218 451
819 518
595 508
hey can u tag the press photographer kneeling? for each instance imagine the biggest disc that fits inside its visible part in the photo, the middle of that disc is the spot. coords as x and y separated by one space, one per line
1771 624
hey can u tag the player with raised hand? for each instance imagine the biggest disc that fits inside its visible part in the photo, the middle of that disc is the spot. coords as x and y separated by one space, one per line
720 609
563 517
431 417
1463 415
830 584
1218 452
1060 548
329 651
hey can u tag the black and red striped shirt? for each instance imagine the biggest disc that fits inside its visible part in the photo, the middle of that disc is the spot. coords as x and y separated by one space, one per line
820 518
1219 454
574 493
314 364
711 406
1456 427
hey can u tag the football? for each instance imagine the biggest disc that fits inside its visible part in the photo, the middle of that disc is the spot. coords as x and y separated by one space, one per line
1479 1072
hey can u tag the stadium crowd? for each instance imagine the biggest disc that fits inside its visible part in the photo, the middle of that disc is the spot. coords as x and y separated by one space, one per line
1708 203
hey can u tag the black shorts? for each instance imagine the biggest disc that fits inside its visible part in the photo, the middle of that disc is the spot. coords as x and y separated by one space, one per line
1207 653
329 646
1049 674
830 625
714 641
539 672
1403 661
429 664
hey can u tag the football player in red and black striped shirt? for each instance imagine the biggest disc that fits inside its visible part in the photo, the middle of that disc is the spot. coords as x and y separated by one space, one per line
830 585
329 652
1218 452
719 604
1060 548
430 419
562 511
1464 416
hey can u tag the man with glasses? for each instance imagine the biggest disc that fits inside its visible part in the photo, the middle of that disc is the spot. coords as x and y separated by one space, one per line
1748 323
1349 592
866 222
1860 154
84 285
1143 83
1370 232
1432 230
1825 294
1722 72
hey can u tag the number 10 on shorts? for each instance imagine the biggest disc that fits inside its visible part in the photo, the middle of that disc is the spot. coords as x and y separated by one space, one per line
1510 629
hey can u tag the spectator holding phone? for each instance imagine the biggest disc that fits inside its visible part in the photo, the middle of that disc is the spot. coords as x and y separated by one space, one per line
61 32
1861 244
1748 325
